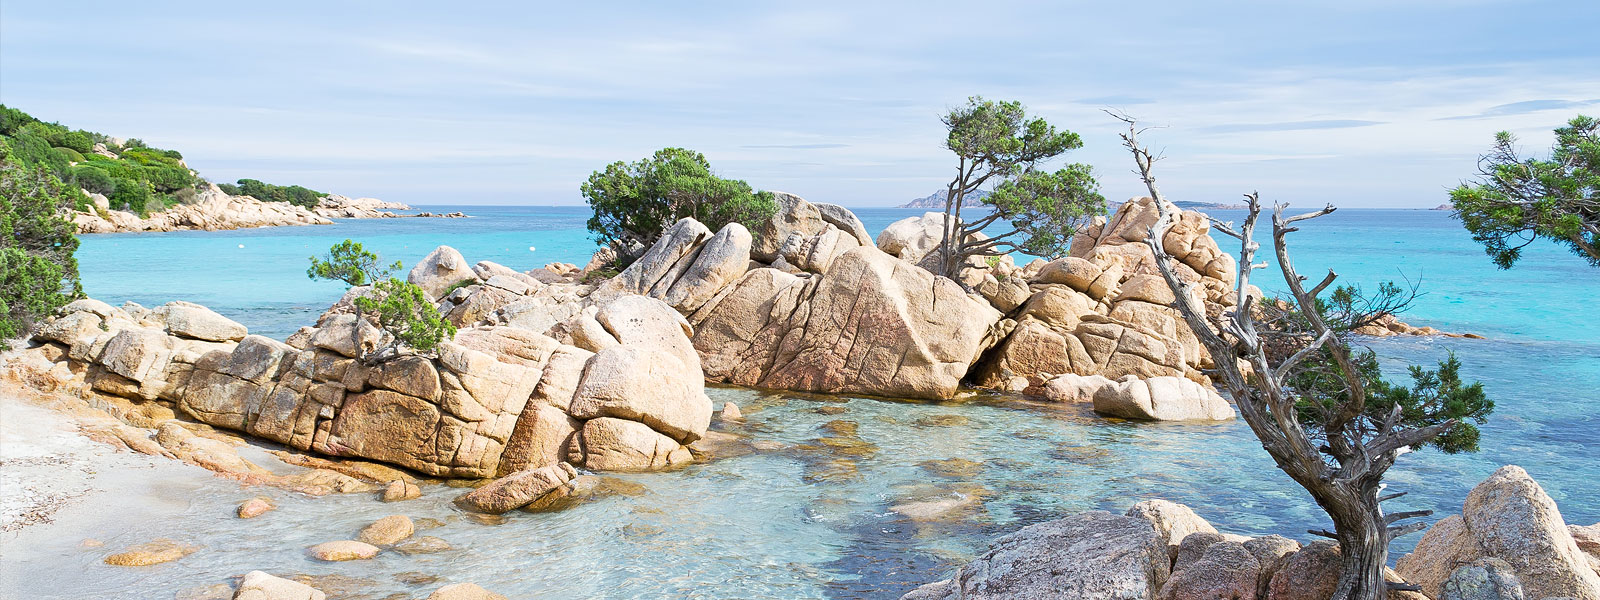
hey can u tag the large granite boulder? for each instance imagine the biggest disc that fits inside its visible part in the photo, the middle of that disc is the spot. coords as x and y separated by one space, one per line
846 221
611 444
872 324
1172 521
193 321
1093 555
440 270
1510 518
911 239
644 385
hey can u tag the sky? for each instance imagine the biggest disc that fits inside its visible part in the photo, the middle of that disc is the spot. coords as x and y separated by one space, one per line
1360 103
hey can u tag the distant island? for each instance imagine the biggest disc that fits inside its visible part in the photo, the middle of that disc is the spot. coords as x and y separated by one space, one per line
1445 206
935 201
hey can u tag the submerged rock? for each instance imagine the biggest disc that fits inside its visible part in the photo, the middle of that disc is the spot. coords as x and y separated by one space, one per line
517 489
254 507
149 553
342 550
464 591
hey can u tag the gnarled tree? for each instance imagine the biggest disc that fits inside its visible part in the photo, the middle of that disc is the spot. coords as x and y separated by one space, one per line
1321 408
997 142
1516 201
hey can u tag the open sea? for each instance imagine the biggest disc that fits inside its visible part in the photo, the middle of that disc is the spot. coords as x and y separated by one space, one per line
796 524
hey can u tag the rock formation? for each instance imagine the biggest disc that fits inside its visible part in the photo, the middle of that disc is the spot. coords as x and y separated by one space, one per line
1506 518
214 209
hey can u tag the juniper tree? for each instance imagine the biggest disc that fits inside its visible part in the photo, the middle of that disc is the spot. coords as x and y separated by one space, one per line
38 272
1516 201
1318 404
399 307
634 202
997 142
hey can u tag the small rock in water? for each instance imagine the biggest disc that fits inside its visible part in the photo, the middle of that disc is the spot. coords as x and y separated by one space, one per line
254 507
767 445
831 410
638 530
942 421
485 519
343 550
464 591
91 543
259 585
149 553
426 544
387 531
731 412
952 467
400 489
425 523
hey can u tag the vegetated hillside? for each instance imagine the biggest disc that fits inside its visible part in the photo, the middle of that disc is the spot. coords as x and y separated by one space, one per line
131 175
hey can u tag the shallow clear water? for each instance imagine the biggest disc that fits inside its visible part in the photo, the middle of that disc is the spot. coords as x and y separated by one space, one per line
783 523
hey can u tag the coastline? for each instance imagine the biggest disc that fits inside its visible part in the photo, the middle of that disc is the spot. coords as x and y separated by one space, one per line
216 210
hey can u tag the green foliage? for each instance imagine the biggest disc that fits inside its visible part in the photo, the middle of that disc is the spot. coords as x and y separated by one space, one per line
1435 397
1517 200
634 202
1047 209
351 263
996 141
38 272
230 189
403 310
267 192
130 195
71 155
77 141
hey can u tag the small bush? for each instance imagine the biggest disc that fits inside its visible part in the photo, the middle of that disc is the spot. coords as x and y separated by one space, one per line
71 155
130 195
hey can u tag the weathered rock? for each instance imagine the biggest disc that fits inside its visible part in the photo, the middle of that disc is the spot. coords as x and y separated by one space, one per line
641 322
1510 518
464 591
912 238
610 444
1271 553
1225 570
149 553
844 220
644 385
336 334
439 271
1312 573
1072 388
541 438
1094 555
342 550
665 262
198 322
559 381
794 216
1071 271
721 261
387 531
257 585
1162 399
426 544
517 489
1172 521
872 324
1484 579
254 507
731 413
816 253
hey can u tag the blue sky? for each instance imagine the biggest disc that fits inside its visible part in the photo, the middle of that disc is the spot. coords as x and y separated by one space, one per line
1360 103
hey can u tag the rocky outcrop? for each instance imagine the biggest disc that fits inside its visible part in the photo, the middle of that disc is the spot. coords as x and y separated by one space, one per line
334 206
213 209
1105 310
912 238
493 393
795 216
1507 517
440 271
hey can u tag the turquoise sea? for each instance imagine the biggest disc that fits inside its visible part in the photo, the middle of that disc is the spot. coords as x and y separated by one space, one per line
797 523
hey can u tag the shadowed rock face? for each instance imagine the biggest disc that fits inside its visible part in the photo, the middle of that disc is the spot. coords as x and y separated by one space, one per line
870 324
